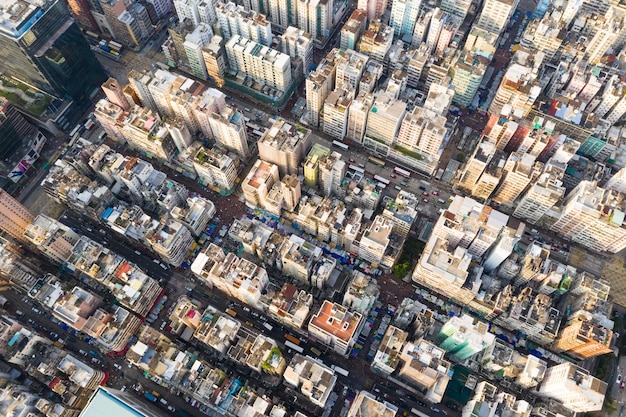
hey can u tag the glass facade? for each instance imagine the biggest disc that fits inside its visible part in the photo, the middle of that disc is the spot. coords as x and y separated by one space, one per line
52 56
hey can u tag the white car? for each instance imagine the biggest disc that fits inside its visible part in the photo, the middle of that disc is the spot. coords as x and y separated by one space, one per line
117 366
619 378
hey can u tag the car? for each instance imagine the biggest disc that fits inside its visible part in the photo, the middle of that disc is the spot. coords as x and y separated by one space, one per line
435 409
393 176
171 409
425 194
619 378
246 309
123 388
117 366
189 289
435 192
622 385
425 201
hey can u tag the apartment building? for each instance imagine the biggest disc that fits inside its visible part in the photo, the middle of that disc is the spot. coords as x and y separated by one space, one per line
229 129
53 239
319 84
366 404
495 15
290 306
214 60
235 19
424 366
357 116
259 181
284 145
402 212
376 41
403 17
237 277
352 30
336 109
464 337
335 326
297 258
264 65
132 288
419 139
298 44
375 240
584 338
573 387
592 217
383 122
467 74
361 293
195 215
542 195
389 352
215 168
520 85
520 170
14 217
171 240
314 380
194 43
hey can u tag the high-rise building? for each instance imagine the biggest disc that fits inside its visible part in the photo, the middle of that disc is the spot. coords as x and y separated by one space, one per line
336 108
403 17
264 64
376 41
284 144
541 196
383 122
350 67
375 240
298 44
113 90
235 20
187 9
194 42
593 217
215 168
457 8
259 181
319 83
374 8
495 15
282 13
467 75
82 13
353 29
485 149
108 400
14 217
573 387
464 337
43 47
229 129
422 132
584 339
214 60
545 35
518 172
357 116
520 85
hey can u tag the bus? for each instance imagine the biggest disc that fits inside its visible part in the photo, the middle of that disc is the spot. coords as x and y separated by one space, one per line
77 129
293 346
381 179
403 172
115 45
418 413
341 145
340 371
356 168
376 161
292 339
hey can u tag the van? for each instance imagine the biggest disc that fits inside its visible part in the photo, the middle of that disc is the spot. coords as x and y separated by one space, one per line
163 401
441 201
19 313
156 261
138 253
397 187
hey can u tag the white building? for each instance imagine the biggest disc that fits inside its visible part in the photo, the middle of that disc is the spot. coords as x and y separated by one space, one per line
229 129
265 65
574 387
215 168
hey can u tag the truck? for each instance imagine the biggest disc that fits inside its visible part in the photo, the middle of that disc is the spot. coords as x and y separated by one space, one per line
292 339
150 397
231 312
